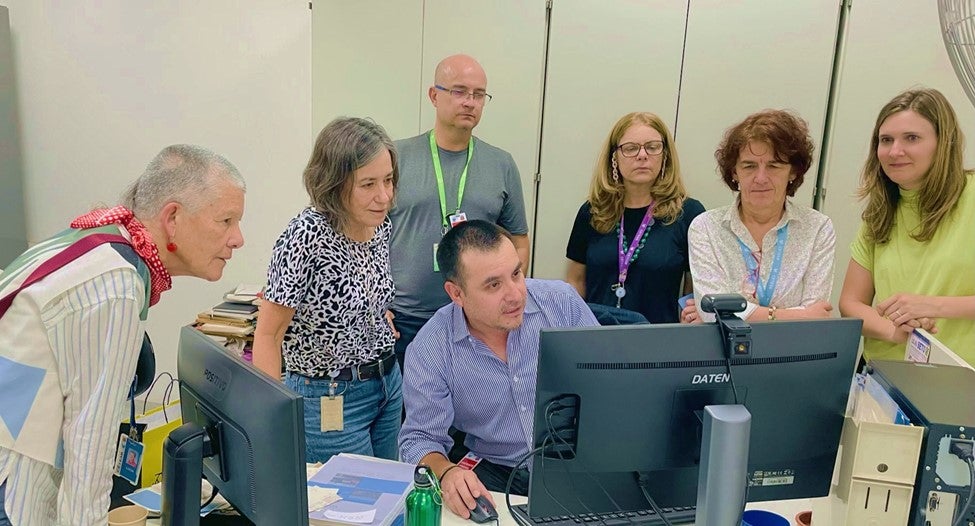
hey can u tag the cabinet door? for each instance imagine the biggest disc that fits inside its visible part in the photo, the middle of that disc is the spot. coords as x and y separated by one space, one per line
605 59
508 39
13 228
743 57
366 63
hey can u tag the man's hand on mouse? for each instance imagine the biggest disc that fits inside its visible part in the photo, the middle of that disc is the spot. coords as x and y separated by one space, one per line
460 487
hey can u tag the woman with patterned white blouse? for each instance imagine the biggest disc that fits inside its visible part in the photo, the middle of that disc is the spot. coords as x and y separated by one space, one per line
328 291
777 254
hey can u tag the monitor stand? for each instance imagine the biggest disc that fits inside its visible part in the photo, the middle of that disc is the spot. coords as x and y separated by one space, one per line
722 476
183 452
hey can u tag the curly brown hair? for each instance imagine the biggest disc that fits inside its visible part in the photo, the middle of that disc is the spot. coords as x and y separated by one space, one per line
606 196
786 132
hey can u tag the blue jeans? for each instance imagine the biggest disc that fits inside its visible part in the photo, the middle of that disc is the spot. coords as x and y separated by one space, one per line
4 521
371 412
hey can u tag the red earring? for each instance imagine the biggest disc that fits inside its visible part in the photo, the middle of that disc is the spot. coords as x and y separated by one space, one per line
171 246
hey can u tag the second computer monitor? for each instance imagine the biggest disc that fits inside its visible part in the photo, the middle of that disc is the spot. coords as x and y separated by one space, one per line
620 404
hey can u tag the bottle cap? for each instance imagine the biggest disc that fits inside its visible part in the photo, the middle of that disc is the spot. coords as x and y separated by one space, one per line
422 475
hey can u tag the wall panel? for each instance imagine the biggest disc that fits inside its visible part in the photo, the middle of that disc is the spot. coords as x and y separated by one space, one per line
605 60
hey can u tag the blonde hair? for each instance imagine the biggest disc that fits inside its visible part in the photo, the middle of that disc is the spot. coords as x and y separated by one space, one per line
606 195
940 187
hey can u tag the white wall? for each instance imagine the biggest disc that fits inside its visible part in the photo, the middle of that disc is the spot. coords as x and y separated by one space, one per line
103 86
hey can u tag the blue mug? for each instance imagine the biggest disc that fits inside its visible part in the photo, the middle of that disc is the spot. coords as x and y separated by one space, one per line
763 518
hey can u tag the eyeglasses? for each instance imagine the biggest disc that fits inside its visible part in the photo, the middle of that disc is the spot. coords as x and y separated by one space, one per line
632 149
462 94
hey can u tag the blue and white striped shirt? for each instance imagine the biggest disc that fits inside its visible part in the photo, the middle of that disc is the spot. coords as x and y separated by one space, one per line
452 378
81 328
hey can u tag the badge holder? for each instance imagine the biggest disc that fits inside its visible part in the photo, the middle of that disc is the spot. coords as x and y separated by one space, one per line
128 458
332 406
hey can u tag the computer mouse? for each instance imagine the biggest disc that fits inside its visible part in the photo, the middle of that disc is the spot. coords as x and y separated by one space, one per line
483 511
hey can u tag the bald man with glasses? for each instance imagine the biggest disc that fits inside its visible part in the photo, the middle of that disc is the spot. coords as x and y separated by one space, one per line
447 176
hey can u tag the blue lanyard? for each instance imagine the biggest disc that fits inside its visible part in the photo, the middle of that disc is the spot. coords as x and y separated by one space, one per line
764 292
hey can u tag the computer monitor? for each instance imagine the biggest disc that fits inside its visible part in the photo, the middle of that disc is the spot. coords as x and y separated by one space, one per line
613 403
243 430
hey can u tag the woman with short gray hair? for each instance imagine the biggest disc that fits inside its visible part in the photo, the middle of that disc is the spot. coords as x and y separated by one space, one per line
72 320
328 291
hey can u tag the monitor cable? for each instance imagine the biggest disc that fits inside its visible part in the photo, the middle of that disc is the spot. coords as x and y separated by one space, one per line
553 432
213 495
963 449
643 480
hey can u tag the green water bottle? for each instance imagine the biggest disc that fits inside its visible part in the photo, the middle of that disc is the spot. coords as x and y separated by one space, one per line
423 504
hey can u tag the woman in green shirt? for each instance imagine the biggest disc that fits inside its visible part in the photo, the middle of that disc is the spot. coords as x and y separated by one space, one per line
913 261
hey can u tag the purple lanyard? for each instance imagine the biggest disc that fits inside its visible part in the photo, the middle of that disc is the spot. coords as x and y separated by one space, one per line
625 258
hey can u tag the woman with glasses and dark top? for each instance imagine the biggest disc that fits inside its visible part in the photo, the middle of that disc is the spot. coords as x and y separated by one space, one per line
912 262
628 246
328 290
777 254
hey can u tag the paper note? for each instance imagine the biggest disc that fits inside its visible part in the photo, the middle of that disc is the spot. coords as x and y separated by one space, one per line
362 517
319 497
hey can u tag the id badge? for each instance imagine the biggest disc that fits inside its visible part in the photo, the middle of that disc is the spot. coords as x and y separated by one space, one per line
436 266
469 462
128 460
457 219
332 413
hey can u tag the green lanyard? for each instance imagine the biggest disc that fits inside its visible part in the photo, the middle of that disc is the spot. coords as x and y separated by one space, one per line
440 186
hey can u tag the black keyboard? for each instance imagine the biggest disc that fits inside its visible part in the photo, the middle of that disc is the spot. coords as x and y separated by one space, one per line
677 515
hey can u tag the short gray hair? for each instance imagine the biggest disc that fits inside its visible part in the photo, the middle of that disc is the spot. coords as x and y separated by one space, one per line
342 147
183 173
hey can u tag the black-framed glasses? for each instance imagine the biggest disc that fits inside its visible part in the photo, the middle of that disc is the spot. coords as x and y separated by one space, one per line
632 149
461 94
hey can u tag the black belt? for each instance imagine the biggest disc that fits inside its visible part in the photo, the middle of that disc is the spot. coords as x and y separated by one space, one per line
379 367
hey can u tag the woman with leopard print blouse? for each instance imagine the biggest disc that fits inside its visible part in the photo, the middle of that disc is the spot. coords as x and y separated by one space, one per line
329 287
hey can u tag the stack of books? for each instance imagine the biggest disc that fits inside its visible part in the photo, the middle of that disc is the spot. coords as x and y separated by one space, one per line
233 319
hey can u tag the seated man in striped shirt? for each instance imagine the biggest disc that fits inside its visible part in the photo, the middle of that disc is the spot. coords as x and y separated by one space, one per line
472 366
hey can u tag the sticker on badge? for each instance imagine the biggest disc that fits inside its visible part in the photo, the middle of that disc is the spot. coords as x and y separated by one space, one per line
457 219
128 460
470 461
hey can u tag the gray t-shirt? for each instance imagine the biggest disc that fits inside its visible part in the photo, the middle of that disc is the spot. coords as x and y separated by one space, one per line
493 192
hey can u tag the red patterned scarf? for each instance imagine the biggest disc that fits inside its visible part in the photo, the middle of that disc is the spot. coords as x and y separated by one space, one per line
159 277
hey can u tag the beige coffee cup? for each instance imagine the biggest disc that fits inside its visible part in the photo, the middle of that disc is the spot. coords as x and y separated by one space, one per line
128 516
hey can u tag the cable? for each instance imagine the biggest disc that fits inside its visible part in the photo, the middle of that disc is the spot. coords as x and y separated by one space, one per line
145 402
642 481
731 379
213 495
511 479
551 430
963 449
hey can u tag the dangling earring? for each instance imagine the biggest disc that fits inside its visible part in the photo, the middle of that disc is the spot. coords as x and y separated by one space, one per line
171 246
616 172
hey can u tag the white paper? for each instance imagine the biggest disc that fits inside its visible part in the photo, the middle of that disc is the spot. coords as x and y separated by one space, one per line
319 497
362 517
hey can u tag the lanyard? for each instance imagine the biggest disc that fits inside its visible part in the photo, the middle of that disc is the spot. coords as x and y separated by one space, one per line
626 257
764 292
439 172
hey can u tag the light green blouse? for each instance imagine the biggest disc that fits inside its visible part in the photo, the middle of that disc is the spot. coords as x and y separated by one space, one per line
943 266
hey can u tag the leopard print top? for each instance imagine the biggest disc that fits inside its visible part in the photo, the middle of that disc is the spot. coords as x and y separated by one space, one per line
340 290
